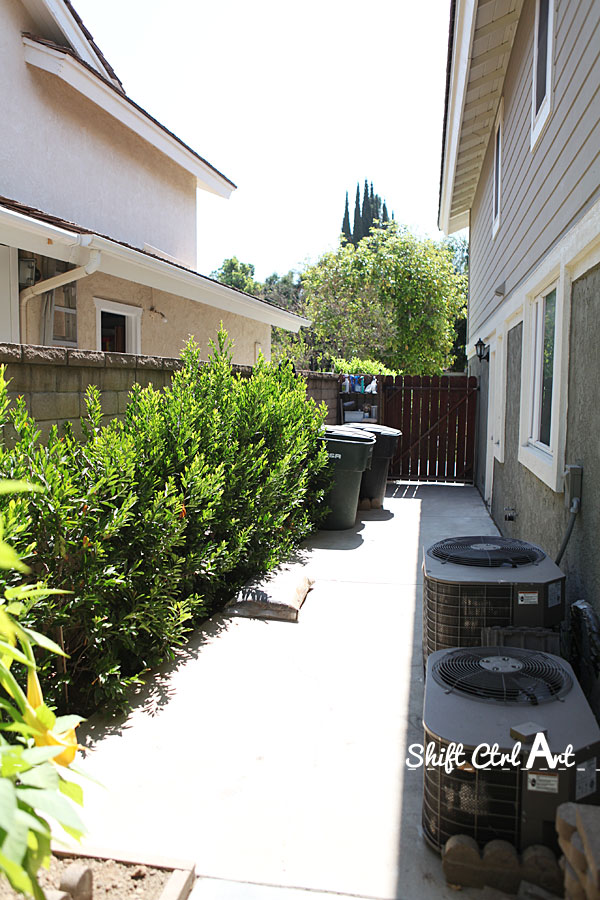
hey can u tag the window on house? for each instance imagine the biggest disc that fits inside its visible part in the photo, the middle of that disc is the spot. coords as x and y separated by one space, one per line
113 329
65 314
118 326
542 67
544 336
497 170
59 307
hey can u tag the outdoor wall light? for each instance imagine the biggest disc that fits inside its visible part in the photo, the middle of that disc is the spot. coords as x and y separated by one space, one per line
480 351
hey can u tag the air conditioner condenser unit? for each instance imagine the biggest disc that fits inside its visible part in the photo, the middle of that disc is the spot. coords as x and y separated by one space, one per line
476 582
479 697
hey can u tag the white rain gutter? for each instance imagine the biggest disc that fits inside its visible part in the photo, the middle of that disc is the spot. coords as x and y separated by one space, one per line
49 284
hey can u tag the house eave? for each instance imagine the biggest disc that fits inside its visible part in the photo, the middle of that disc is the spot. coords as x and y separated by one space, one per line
103 93
36 236
55 21
479 51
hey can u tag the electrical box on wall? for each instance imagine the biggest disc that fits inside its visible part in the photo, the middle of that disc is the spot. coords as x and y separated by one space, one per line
573 479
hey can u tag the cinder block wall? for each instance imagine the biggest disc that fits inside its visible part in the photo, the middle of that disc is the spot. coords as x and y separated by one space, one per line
53 381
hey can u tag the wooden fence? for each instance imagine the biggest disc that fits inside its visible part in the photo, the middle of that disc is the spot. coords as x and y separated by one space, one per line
436 415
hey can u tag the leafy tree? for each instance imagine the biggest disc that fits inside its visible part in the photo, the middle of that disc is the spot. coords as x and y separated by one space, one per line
346 223
459 248
283 290
237 274
393 298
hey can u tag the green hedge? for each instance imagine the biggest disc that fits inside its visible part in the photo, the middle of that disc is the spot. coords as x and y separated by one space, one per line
152 522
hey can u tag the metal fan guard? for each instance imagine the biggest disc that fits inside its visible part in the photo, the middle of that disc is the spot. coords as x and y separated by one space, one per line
521 677
486 551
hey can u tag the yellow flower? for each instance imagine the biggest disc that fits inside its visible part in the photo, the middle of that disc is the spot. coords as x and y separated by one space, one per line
45 737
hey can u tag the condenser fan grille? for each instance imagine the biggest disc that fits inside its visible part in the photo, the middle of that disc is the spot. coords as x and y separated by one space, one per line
486 551
508 675
483 803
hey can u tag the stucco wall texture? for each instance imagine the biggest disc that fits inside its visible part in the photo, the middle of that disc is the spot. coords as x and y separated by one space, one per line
62 154
541 515
159 337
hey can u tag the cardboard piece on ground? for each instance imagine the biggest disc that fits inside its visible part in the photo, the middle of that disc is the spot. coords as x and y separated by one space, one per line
278 596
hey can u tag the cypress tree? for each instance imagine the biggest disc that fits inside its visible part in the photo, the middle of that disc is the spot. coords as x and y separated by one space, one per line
346 223
358 232
384 214
367 213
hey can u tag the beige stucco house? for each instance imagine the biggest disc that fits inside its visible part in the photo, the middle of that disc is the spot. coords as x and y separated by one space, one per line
98 207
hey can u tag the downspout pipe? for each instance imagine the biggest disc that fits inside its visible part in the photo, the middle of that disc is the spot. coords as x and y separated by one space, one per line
49 284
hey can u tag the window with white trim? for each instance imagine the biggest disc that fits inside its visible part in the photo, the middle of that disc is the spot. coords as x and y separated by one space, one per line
543 355
497 185
541 94
118 326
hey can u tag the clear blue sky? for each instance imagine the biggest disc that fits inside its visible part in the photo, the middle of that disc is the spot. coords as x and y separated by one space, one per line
295 103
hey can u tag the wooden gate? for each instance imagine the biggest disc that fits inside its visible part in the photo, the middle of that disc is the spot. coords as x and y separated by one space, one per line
436 415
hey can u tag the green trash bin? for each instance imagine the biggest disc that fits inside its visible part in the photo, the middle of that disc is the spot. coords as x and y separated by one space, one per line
374 479
350 453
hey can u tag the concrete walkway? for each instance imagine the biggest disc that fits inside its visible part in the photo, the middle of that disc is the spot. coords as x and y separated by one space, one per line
273 754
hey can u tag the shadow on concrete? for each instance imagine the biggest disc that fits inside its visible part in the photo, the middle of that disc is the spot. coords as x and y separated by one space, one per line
157 688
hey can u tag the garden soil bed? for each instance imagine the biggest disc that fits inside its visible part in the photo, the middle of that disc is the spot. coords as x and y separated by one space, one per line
116 879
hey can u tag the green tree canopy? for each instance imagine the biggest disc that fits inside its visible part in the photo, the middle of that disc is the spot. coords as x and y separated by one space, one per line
393 298
237 274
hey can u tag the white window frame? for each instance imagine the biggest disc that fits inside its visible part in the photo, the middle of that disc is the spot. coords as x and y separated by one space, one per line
569 260
497 172
545 461
538 316
133 323
539 119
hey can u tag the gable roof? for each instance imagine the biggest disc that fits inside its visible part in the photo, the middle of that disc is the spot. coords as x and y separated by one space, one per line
52 57
125 261
66 49
479 47
113 75
57 20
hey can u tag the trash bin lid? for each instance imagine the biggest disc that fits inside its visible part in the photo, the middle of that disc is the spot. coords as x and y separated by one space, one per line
347 433
377 429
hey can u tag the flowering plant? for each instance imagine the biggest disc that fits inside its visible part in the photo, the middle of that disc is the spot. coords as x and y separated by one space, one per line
34 743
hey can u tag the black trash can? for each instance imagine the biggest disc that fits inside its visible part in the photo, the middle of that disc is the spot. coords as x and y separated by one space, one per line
375 478
350 452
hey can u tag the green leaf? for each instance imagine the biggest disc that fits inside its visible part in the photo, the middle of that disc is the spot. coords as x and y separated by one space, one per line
65 723
15 844
9 559
71 790
8 803
53 804
34 823
7 486
30 592
42 641
16 874
43 776
45 715
14 653
35 755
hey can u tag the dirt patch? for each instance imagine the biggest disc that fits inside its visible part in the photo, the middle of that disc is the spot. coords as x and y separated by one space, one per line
112 880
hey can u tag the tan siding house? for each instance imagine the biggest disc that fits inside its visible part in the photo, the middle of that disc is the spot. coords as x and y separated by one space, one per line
521 170
92 184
